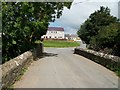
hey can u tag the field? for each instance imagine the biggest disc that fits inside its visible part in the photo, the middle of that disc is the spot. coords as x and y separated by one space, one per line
54 43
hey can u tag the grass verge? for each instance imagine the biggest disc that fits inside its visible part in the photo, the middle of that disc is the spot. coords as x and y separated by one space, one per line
57 43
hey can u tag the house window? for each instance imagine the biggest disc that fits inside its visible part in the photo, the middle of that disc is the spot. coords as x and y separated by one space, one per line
50 36
60 37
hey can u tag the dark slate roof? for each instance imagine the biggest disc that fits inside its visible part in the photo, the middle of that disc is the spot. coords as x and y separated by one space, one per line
74 35
55 29
71 35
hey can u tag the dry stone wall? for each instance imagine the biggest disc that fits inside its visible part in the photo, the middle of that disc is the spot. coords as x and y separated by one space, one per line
12 69
109 61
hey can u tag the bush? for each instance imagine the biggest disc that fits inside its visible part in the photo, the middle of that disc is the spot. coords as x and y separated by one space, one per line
101 32
107 39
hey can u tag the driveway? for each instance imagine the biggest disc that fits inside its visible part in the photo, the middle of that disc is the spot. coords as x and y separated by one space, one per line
60 68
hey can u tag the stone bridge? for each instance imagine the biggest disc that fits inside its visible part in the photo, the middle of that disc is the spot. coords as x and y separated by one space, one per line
61 68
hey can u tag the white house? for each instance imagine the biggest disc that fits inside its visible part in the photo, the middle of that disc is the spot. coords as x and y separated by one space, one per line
73 37
54 33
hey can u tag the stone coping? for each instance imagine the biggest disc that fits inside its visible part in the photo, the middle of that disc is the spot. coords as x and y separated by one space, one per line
12 69
99 54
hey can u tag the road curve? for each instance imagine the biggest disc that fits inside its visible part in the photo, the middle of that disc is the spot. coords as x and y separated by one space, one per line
60 68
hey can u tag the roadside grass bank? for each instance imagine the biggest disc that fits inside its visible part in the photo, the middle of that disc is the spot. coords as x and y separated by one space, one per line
60 44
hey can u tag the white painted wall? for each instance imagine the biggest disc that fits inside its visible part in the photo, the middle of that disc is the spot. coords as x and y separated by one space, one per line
54 34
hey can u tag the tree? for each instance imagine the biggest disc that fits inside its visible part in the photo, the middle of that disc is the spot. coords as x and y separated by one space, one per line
97 20
85 32
101 32
107 39
25 22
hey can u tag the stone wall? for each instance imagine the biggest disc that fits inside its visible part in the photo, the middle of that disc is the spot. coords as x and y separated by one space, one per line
13 68
109 61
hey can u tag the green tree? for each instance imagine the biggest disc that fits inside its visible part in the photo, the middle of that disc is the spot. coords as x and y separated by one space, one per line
85 32
102 32
97 20
107 39
25 22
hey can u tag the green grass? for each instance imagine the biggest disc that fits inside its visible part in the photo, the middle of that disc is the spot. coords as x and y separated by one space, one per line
54 43
118 72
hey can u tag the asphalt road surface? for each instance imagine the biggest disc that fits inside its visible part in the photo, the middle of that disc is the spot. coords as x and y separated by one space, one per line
60 68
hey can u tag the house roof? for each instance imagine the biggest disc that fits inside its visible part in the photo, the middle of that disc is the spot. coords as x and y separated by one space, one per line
55 29
71 35
74 35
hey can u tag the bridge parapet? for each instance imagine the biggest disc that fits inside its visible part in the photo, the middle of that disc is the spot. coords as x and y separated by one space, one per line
109 61
12 69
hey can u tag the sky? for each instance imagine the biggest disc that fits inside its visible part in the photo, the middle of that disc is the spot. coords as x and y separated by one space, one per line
80 10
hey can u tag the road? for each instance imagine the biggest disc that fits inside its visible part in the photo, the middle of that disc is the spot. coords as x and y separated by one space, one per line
60 68
82 45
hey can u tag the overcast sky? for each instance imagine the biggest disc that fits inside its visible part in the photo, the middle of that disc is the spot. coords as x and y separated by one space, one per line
72 18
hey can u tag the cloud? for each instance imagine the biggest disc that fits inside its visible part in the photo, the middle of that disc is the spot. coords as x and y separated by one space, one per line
72 18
